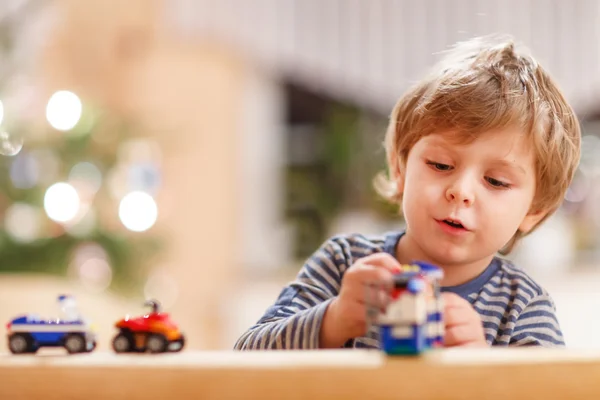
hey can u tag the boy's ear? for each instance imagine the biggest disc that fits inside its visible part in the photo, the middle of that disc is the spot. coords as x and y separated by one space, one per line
531 220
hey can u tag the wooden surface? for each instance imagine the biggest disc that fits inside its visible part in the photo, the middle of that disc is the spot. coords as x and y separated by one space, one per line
345 374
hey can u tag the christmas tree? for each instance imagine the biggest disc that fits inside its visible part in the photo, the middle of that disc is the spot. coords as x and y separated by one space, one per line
76 191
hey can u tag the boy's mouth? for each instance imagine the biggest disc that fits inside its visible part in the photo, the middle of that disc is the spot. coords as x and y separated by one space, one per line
454 223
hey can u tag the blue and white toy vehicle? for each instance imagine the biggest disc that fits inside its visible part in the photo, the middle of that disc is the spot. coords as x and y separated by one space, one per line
26 334
412 321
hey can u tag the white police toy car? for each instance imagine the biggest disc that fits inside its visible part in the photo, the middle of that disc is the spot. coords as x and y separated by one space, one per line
26 334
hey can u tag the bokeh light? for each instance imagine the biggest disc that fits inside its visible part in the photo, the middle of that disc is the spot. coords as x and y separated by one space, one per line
61 202
22 222
63 110
138 211
24 171
86 174
95 274
10 143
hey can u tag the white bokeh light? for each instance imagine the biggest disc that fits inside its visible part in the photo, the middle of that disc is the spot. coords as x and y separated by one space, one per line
138 211
61 202
63 110
22 222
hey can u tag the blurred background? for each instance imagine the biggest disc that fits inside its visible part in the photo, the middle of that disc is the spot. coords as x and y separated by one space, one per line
198 151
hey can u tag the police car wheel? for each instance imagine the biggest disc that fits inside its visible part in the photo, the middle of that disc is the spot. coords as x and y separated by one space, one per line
122 343
19 343
156 343
75 344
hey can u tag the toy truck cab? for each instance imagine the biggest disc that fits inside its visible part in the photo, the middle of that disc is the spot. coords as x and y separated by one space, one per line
28 333
154 332
412 320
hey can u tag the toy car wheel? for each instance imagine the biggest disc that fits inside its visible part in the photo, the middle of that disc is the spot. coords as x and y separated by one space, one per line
75 343
123 343
177 345
19 343
156 343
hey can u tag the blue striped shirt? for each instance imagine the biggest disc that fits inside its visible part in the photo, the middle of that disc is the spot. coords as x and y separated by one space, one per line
514 309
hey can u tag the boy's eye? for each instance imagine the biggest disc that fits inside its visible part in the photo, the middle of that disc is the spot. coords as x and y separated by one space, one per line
439 166
497 183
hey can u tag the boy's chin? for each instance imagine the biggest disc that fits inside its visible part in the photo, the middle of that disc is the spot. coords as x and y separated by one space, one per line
453 255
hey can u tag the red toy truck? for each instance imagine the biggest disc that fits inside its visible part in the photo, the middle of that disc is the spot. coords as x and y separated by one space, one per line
154 332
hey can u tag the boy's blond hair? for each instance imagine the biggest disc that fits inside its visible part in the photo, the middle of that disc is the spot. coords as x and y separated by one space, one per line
481 85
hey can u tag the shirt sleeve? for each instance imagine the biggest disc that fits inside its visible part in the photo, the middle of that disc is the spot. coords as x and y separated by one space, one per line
538 325
294 320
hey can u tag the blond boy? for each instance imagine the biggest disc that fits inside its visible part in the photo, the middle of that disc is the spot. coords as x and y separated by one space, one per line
479 153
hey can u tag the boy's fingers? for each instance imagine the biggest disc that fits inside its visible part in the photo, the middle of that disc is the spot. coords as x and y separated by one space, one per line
464 336
369 275
367 285
461 335
475 343
455 316
452 336
382 260
453 300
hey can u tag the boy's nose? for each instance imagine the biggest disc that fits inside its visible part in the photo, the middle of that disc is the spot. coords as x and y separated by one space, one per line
460 191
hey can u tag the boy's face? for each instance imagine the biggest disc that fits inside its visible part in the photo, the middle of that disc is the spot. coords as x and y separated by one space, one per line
463 202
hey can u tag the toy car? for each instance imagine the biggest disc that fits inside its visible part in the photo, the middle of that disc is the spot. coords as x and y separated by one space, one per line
27 333
412 321
154 332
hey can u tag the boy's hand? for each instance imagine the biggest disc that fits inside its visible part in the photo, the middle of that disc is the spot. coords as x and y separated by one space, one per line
346 316
462 322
